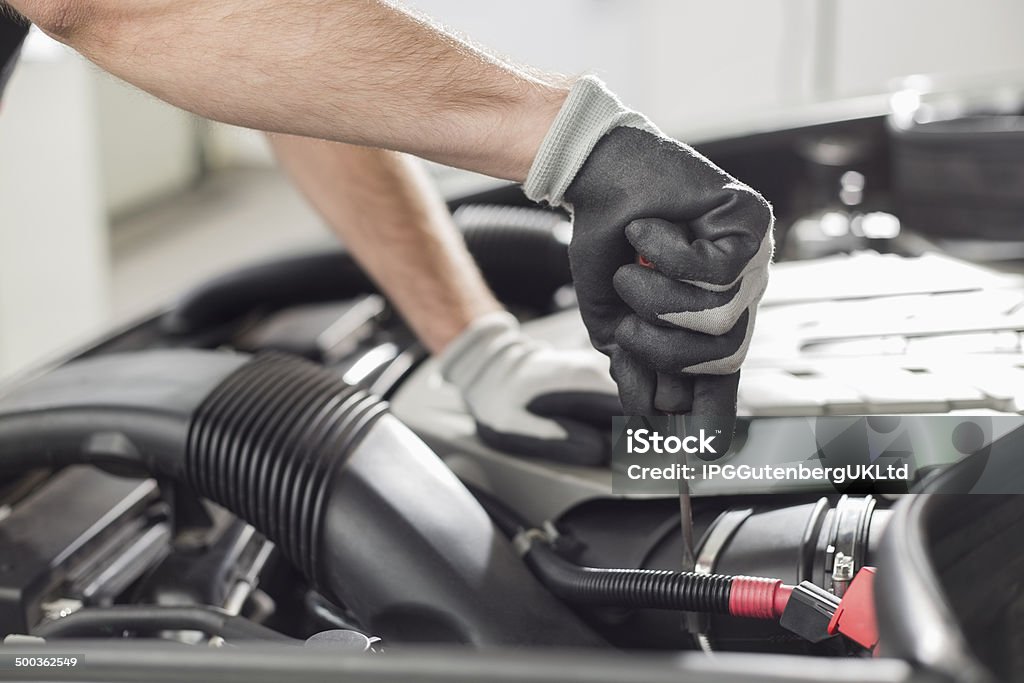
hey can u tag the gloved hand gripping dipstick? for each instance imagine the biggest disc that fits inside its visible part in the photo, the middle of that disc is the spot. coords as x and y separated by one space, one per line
632 190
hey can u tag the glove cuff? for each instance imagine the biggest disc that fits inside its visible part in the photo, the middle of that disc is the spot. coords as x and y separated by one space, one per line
471 352
589 112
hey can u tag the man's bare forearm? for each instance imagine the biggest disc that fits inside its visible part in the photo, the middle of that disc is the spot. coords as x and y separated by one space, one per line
392 220
358 71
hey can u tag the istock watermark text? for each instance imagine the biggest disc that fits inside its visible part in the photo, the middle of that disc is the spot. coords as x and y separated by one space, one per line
797 472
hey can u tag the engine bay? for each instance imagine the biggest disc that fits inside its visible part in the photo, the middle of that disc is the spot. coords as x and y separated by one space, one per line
275 460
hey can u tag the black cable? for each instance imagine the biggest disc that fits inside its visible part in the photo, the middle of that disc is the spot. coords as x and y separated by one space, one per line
639 588
105 622
508 521
634 588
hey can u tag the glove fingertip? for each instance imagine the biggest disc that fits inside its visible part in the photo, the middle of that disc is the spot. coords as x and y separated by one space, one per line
716 394
654 237
637 384
714 402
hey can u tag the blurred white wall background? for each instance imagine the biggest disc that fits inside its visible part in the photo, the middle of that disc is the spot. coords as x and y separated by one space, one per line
77 147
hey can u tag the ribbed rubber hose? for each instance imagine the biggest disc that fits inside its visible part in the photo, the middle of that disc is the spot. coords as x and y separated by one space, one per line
264 443
353 499
523 252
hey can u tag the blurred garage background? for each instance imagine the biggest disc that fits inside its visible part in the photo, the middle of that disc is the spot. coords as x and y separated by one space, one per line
112 202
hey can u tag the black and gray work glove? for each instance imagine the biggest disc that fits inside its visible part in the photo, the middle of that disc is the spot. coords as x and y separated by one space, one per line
708 237
530 399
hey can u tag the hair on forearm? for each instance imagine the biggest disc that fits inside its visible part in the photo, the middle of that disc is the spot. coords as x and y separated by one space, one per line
366 72
429 65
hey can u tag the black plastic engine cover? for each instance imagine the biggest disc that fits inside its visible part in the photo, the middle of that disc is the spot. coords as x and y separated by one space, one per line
56 532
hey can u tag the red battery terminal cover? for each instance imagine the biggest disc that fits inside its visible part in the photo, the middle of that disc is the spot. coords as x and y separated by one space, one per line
855 617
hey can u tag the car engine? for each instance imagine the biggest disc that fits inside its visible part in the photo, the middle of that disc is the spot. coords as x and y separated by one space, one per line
275 460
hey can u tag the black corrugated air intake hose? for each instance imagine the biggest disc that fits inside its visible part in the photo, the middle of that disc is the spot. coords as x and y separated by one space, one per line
355 500
522 253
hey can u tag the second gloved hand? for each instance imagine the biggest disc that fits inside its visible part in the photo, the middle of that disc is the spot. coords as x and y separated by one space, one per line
530 399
